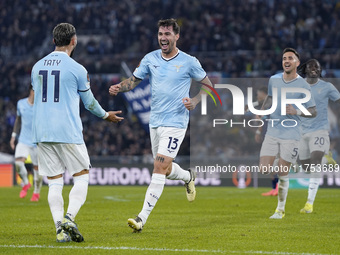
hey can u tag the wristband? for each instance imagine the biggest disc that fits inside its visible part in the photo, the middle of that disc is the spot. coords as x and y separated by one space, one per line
258 132
14 134
298 112
106 115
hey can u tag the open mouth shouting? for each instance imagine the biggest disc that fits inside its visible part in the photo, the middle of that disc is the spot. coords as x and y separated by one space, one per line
164 45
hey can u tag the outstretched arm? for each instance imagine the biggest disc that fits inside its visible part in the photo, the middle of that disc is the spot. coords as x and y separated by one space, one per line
16 131
267 103
190 103
94 107
124 86
292 111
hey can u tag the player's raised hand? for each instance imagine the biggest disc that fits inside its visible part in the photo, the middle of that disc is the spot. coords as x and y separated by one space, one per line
189 103
114 89
113 117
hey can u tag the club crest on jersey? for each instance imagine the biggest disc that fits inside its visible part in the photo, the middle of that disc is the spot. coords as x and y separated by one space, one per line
178 67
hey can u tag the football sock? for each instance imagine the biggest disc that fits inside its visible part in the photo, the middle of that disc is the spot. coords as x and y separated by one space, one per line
77 196
283 191
55 200
22 171
274 181
152 195
178 173
314 182
37 179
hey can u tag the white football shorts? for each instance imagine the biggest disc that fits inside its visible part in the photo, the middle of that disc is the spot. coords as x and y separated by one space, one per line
55 158
166 140
313 141
23 150
287 149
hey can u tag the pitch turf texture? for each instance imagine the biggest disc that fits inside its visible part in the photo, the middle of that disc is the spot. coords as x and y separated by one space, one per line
221 221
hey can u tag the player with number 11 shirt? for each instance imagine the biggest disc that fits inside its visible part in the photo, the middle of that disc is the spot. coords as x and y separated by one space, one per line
59 82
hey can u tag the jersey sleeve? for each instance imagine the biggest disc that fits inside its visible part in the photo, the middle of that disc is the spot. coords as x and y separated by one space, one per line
197 72
270 90
33 74
311 102
18 109
83 79
86 95
333 93
91 104
142 70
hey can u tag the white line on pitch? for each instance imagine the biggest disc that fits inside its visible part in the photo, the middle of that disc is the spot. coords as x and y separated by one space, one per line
155 249
115 198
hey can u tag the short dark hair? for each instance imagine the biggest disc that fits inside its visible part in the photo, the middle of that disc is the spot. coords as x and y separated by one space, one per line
291 50
169 23
63 33
263 89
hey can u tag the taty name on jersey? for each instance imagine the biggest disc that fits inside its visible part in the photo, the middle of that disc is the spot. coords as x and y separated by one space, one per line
51 62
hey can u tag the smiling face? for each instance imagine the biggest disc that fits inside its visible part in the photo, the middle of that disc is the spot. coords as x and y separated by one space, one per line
313 69
290 62
167 40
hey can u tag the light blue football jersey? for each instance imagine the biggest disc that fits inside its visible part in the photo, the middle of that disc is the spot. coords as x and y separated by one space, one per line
59 82
25 112
170 82
275 127
323 92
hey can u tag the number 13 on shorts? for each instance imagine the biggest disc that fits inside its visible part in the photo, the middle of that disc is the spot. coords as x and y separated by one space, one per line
173 143
166 140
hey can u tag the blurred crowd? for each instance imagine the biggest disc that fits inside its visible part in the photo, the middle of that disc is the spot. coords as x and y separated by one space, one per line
238 38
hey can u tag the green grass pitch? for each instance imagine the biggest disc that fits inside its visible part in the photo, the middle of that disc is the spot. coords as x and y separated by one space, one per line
221 221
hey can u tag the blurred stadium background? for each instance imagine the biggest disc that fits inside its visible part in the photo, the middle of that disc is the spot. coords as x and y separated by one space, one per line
232 39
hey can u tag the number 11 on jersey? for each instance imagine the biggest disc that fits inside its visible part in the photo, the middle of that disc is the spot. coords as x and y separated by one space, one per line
56 74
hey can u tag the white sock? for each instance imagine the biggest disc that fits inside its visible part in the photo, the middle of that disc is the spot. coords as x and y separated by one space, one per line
283 191
314 182
178 173
152 195
55 200
37 179
77 196
22 171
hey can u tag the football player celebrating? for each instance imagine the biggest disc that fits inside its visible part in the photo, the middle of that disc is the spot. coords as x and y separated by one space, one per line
315 139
